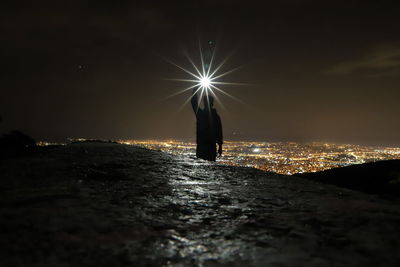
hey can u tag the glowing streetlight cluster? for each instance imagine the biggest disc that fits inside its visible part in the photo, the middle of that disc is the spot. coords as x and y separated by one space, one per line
281 157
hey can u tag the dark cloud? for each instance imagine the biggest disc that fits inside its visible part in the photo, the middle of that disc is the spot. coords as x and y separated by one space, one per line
382 61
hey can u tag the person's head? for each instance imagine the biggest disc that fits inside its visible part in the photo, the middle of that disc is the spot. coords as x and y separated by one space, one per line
208 101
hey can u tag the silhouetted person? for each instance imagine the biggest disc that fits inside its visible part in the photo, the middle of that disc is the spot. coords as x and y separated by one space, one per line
208 128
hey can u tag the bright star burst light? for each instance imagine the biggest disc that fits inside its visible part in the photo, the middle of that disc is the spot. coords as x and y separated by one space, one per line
205 78
205 82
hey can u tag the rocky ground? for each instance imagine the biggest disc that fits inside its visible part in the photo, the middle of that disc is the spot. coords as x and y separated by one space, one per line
104 204
381 177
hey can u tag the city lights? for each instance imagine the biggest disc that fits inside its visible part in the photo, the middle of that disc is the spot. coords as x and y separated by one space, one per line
281 157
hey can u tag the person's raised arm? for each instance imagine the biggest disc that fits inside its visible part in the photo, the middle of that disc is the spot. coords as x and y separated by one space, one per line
195 103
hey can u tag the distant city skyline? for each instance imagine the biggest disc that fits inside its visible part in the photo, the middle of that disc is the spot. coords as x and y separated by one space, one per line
281 157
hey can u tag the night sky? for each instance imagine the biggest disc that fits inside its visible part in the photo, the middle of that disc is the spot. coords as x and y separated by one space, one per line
316 70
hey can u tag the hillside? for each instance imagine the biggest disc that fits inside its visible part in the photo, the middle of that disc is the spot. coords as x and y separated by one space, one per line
381 177
104 204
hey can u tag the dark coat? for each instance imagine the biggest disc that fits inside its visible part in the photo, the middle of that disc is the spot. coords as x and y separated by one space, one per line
208 131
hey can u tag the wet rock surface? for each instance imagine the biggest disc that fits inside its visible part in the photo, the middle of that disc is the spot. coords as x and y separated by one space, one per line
100 204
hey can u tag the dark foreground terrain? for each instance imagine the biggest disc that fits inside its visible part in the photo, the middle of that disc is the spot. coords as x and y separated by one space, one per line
382 177
100 204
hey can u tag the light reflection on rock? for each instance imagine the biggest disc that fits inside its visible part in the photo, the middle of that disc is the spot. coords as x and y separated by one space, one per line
127 206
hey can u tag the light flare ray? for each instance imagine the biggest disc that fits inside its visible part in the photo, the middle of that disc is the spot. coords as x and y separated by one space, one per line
200 98
192 63
206 77
182 91
229 83
182 68
218 100
226 73
202 60
225 93
211 61
219 66
187 100
181 80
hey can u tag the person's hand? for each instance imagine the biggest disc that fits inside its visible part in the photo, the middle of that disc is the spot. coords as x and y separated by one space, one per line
220 150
